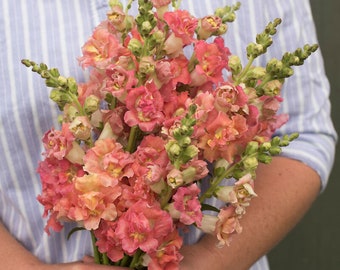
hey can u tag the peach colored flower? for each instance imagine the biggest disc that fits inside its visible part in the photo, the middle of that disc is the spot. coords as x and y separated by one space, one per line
108 159
227 225
95 201
100 49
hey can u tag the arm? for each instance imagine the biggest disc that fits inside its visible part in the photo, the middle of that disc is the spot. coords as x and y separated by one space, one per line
14 256
286 189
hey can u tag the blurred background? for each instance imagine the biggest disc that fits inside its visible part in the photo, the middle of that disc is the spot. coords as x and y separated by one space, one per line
315 243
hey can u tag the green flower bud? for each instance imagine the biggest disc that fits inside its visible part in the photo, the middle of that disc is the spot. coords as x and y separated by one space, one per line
272 88
252 148
234 64
135 46
91 104
250 163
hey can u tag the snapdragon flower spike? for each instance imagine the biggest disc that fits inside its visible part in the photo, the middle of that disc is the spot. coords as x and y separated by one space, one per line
64 89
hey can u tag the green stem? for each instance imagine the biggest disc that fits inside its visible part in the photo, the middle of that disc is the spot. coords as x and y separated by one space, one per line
132 139
124 261
136 258
245 71
105 259
96 253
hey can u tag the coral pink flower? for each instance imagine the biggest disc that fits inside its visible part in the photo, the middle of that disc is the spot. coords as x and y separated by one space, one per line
57 177
144 106
107 240
187 203
58 143
167 255
142 226
182 24
227 225
109 160
212 59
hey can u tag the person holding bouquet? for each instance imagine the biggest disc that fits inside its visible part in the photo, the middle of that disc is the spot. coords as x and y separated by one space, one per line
53 32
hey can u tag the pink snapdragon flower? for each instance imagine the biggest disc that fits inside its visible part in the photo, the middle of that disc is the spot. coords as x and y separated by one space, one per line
167 256
230 98
187 204
58 143
108 159
144 105
95 201
160 3
223 136
227 225
209 25
212 59
57 178
182 24
119 81
100 49
107 240
142 226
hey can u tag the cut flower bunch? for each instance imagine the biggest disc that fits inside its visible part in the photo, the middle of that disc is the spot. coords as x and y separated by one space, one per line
166 108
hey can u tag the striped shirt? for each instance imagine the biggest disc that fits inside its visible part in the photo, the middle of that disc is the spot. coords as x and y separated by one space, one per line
53 32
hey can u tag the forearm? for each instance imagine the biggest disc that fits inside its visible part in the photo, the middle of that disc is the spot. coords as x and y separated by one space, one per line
12 254
286 189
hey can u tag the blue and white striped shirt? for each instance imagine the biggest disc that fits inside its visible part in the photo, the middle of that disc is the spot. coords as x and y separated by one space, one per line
53 32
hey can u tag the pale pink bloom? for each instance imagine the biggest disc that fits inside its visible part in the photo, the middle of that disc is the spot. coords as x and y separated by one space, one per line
226 194
119 81
160 3
173 46
76 154
230 98
163 71
143 226
167 256
244 192
187 203
144 106
227 225
81 127
108 159
58 143
182 24
208 224
175 178
92 87
208 25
